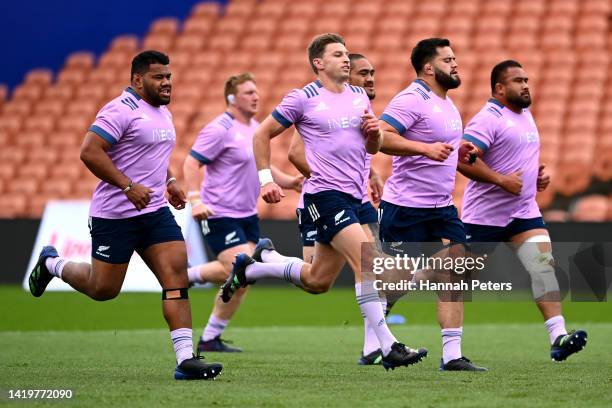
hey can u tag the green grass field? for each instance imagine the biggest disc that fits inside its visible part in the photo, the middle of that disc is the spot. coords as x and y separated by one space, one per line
300 350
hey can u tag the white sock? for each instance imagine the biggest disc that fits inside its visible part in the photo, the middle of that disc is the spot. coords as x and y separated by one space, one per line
271 256
371 310
291 271
183 344
556 327
214 327
193 274
451 343
370 341
55 266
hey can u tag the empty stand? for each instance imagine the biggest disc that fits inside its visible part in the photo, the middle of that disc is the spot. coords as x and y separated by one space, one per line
563 44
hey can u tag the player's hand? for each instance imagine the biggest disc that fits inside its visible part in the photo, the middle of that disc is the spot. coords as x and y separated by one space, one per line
272 193
139 195
369 126
512 183
201 211
297 182
438 151
376 187
466 150
543 178
176 196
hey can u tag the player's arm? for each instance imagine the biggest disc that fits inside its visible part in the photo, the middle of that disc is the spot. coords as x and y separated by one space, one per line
94 153
176 196
268 129
193 180
376 185
396 145
371 129
479 171
285 180
297 154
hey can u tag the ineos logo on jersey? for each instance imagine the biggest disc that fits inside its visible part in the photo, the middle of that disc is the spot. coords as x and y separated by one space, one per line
344 122
452 125
529 137
163 135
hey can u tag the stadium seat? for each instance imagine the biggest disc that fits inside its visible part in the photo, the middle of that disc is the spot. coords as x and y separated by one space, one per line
465 8
529 8
18 108
564 7
124 44
39 77
399 8
597 7
30 138
168 26
34 170
159 41
208 9
30 92
591 208
242 8
74 76
12 206
25 186
555 215
81 59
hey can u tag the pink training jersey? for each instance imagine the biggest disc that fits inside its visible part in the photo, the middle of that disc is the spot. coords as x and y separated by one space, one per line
419 114
330 124
510 142
142 137
231 183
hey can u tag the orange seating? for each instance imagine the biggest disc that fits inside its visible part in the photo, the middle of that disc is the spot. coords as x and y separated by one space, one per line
592 208
563 45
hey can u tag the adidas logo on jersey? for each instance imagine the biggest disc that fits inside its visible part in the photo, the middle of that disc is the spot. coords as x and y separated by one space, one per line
437 109
145 117
358 103
509 123
231 238
311 234
321 107
238 136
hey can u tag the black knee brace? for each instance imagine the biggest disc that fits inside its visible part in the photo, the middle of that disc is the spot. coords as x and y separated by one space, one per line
175 294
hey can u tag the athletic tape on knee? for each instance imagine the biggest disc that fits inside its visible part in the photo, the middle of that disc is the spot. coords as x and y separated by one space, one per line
175 294
539 265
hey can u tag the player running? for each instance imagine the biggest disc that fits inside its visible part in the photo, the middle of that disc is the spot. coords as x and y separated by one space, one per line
423 132
228 197
128 147
362 75
338 128
499 203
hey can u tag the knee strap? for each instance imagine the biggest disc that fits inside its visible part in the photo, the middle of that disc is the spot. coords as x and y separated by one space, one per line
175 294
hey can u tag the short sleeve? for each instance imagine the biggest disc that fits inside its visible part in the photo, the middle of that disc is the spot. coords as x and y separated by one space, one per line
481 130
111 123
402 112
291 109
209 143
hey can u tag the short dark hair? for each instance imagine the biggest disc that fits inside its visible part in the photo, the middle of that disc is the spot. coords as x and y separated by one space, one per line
499 70
354 57
141 62
425 50
318 44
